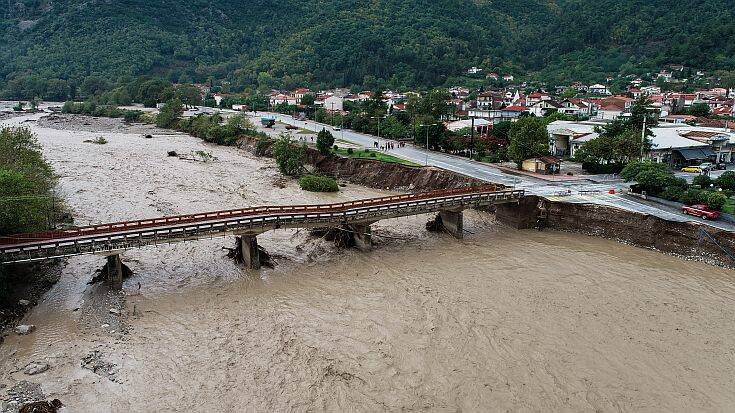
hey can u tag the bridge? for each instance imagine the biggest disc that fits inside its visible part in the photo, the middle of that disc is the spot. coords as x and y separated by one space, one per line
247 223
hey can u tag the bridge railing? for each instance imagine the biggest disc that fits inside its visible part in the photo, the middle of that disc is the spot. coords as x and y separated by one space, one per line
235 213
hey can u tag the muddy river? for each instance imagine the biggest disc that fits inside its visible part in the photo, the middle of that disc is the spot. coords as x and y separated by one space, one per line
503 320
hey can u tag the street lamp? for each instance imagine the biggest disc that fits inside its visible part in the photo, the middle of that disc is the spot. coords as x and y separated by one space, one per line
378 118
427 126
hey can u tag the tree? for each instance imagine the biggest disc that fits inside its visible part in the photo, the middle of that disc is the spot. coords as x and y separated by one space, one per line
308 100
170 114
726 180
653 182
703 181
324 142
189 95
528 138
700 110
289 157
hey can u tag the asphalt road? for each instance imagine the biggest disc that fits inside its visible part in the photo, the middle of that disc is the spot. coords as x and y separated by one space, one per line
576 192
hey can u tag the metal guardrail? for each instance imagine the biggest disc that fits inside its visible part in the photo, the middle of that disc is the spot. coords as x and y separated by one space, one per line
135 234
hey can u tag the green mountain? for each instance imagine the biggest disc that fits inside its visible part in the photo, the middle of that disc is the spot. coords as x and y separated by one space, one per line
50 46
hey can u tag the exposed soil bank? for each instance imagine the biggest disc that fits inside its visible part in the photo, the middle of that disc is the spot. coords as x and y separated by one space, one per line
685 239
381 175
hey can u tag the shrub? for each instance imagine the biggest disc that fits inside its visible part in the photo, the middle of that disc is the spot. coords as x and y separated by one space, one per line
726 180
703 181
631 170
314 183
350 151
716 200
372 155
653 182
598 168
691 196
262 145
673 193
131 115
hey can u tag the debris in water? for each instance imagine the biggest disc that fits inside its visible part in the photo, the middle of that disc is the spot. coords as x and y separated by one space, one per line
24 329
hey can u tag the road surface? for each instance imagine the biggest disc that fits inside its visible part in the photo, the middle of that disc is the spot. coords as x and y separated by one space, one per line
576 192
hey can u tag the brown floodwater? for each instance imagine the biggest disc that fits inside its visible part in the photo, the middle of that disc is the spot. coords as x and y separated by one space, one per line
502 320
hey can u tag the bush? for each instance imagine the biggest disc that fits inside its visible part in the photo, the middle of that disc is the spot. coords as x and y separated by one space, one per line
673 193
262 145
703 181
598 168
132 115
691 196
653 182
350 151
726 180
372 155
716 200
631 170
314 183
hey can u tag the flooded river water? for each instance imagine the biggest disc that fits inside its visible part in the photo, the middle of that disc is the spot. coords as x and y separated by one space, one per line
503 320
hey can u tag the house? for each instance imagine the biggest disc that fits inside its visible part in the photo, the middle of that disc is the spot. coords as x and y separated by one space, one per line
299 94
536 97
567 137
610 110
334 103
598 89
669 146
482 126
278 98
547 165
489 100
510 113
474 70
651 90
677 119
636 82
492 76
577 107
635 92
508 78
544 107
665 75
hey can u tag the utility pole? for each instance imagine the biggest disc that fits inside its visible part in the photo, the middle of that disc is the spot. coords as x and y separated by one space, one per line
427 126
472 137
643 135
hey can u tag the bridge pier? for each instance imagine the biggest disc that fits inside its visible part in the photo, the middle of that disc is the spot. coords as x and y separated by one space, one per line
115 271
250 251
363 236
453 223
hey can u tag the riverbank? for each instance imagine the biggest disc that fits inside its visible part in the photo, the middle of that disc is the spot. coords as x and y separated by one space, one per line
504 319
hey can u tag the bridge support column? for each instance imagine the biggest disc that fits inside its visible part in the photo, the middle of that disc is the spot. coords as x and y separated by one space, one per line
250 251
453 223
363 236
115 271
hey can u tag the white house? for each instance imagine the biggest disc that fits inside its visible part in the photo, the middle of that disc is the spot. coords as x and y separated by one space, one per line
567 137
598 89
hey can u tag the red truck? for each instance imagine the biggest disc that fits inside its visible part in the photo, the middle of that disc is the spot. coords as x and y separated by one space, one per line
702 211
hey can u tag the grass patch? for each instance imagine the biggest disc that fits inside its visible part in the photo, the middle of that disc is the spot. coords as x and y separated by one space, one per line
375 155
100 140
729 206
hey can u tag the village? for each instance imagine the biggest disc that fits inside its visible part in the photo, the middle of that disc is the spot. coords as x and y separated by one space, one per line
685 128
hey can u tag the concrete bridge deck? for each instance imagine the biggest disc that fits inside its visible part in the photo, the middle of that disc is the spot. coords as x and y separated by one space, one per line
110 239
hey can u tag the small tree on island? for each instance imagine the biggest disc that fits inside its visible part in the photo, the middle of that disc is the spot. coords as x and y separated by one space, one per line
324 142
528 138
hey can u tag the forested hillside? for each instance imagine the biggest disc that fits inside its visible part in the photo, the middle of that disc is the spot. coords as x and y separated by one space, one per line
49 47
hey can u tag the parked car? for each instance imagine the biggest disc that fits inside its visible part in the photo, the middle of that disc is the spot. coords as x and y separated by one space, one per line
291 127
337 128
692 169
702 211
706 166
721 166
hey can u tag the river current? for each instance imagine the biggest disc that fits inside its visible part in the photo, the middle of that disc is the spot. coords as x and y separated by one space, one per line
503 320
